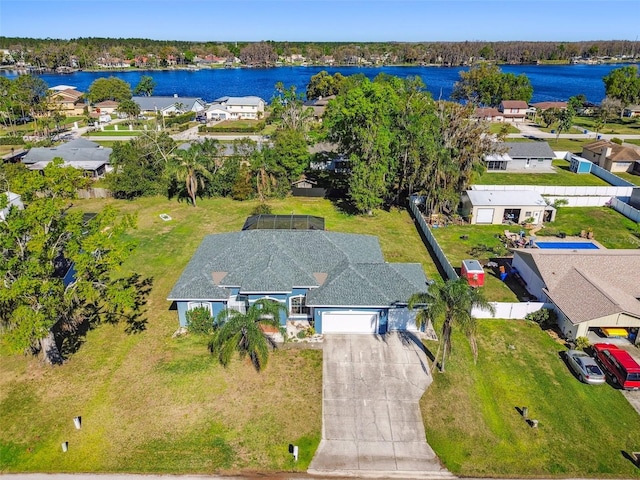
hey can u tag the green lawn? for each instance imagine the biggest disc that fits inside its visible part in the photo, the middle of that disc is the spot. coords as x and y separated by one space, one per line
562 176
472 423
499 127
629 177
113 133
621 126
478 236
152 403
610 228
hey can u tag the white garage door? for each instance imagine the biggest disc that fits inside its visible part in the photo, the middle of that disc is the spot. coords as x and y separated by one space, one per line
349 322
485 215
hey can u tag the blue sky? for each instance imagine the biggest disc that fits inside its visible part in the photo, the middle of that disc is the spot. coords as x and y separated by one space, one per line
324 20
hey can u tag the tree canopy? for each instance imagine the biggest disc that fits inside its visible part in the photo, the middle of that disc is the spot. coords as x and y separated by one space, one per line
322 84
485 84
111 88
145 86
623 84
399 141
60 272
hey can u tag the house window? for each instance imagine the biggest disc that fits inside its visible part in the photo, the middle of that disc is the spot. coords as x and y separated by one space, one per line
194 305
297 306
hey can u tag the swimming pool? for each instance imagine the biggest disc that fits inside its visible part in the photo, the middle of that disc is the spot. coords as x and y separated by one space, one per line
568 245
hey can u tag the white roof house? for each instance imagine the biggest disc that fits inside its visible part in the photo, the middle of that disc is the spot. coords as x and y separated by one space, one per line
498 206
169 105
234 108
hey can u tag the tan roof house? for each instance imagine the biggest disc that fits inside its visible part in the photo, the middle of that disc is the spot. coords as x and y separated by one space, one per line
612 157
488 113
69 102
106 107
514 110
632 111
590 289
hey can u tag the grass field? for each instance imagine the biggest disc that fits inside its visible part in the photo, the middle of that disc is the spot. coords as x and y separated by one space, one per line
562 176
472 423
152 403
621 126
499 127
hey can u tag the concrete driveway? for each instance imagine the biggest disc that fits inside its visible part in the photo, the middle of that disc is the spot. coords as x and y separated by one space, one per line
371 421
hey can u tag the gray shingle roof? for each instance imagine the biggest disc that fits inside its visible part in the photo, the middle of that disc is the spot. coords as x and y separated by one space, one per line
529 150
369 284
268 261
76 151
153 103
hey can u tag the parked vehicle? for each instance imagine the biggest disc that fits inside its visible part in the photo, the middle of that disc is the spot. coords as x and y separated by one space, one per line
585 367
619 365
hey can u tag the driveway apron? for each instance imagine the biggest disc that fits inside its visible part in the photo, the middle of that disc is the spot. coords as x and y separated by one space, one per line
372 425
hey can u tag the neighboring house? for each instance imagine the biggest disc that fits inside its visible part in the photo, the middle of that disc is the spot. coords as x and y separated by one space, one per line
335 282
79 153
590 289
505 206
68 101
612 157
236 108
169 105
488 113
15 200
632 111
106 107
514 110
521 157
319 105
306 187
542 106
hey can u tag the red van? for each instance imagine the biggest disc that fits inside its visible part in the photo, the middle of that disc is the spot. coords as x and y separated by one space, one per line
620 366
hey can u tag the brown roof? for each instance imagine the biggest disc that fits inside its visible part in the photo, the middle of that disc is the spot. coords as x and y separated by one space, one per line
487 112
107 104
619 153
588 284
548 105
514 104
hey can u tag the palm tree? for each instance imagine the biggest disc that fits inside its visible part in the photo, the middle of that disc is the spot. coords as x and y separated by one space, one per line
450 303
242 333
191 166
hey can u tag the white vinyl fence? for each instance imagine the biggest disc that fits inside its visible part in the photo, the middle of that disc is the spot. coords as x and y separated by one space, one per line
513 311
563 191
625 209
582 201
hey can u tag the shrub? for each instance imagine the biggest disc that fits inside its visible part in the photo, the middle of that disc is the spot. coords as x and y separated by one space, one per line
544 317
178 119
200 321
11 140
261 209
616 140
582 343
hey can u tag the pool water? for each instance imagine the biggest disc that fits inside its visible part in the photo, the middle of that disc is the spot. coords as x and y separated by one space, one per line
568 245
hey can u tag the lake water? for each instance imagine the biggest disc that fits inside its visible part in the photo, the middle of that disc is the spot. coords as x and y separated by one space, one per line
550 82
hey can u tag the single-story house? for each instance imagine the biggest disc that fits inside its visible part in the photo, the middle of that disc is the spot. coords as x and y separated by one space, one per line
612 157
542 106
15 200
488 113
319 105
106 107
632 111
590 289
169 105
514 110
79 153
335 282
521 157
505 206
235 108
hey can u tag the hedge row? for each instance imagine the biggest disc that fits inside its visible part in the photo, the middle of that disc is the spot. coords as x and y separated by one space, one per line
11 140
178 119
258 127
